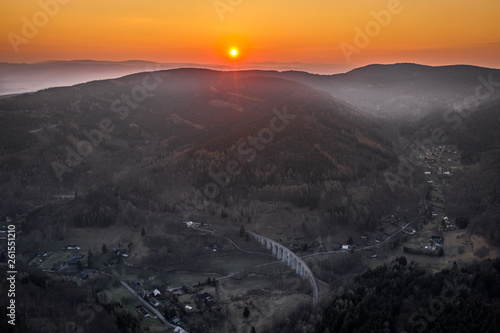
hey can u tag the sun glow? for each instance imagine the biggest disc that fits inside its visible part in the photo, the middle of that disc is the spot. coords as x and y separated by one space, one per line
233 52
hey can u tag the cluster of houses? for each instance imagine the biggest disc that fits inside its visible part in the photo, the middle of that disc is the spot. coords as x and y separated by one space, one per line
435 243
443 159
167 301
75 259
433 248
158 299
431 155
447 164
446 225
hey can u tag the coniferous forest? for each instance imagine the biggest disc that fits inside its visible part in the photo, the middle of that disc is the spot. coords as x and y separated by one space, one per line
404 297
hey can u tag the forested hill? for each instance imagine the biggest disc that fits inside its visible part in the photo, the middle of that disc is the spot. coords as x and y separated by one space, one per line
405 91
168 130
403 297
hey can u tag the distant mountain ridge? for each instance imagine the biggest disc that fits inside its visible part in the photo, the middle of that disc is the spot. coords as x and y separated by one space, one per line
403 90
19 78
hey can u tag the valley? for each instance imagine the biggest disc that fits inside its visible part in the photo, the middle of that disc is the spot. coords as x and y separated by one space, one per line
146 192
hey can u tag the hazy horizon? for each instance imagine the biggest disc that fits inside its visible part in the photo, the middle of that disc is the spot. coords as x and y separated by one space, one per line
312 68
30 77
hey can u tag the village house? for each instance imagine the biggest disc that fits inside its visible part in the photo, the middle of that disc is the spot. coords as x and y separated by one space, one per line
142 311
409 230
349 248
154 302
204 296
192 224
437 241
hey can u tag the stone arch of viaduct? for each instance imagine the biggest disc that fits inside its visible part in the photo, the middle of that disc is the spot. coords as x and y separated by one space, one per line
289 258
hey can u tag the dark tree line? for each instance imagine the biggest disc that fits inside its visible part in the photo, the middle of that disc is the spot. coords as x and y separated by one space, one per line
392 298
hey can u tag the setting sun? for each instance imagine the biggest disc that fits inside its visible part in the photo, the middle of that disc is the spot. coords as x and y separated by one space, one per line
233 52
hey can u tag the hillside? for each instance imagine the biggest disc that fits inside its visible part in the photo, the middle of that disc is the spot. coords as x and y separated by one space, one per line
404 91
285 140
402 296
397 91
191 128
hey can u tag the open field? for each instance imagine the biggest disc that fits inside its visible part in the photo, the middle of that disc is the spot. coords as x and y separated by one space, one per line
270 298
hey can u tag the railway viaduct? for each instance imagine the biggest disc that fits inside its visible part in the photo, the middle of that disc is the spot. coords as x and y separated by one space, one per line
289 258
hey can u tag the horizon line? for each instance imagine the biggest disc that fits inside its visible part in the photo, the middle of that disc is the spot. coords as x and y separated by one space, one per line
342 68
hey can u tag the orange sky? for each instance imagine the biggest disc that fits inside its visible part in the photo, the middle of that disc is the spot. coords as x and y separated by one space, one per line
313 31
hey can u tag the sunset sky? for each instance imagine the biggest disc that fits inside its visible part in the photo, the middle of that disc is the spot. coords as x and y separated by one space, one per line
202 31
